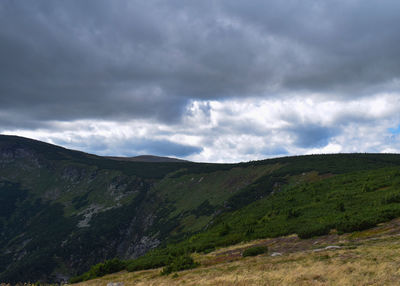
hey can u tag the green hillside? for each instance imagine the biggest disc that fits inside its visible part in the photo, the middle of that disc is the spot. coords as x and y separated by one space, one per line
65 211
368 257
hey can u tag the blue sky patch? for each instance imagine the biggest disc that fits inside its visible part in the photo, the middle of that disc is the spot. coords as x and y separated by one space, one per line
394 130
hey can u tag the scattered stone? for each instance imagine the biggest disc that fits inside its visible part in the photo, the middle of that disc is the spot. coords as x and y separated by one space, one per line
87 213
276 254
332 247
115 284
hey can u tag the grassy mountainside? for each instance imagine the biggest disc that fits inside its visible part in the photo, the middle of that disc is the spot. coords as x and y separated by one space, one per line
308 204
368 257
67 210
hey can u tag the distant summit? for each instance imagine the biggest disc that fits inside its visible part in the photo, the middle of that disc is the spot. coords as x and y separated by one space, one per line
147 158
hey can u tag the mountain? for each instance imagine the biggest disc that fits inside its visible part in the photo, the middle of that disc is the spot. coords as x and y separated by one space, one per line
147 158
64 211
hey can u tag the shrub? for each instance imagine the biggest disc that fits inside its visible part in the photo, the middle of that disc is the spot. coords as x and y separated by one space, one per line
147 262
77 279
292 213
225 230
355 224
179 263
205 247
108 267
395 198
313 230
340 207
254 251
100 269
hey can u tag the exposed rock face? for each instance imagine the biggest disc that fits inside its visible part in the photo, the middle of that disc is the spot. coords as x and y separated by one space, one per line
144 244
73 174
68 210
136 239
26 156
88 213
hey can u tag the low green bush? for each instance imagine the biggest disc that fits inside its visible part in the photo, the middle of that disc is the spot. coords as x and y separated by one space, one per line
147 262
309 231
178 264
355 224
254 251
100 269
394 198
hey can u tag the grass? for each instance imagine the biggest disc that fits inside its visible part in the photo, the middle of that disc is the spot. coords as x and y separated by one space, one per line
215 187
370 259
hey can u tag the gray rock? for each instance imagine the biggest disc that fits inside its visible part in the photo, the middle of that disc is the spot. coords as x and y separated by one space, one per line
115 284
276 254
332 247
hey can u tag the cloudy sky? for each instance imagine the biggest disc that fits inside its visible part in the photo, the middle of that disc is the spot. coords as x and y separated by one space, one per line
212 81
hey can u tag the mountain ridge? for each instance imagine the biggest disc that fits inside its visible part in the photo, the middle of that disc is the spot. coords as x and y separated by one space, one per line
147 158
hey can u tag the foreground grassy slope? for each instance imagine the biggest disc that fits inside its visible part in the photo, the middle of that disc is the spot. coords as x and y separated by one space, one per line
367 257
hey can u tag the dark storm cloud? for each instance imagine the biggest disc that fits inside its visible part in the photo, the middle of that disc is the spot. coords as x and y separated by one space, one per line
341 45
161 148
58 62
312 135
66 60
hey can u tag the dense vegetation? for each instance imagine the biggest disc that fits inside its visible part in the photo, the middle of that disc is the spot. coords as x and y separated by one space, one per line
311 205
345 202
254 251
101 269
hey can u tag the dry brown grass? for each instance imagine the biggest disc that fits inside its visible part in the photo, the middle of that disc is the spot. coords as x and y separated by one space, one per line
374 260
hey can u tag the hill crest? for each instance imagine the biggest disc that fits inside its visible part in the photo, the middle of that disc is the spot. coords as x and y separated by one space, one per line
147 158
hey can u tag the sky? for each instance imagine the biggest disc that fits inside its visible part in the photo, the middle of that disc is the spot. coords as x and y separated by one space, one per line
208 81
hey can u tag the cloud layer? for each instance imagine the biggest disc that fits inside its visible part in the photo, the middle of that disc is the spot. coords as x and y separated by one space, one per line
204 80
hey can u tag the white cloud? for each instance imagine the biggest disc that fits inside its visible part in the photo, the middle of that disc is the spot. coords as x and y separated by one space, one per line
241 130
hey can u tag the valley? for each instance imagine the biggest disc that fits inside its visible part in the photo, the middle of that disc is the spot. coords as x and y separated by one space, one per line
67 215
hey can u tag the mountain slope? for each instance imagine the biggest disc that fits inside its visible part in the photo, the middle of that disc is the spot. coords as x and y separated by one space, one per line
67 210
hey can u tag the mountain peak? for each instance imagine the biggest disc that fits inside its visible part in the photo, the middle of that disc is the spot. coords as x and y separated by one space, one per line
147 158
